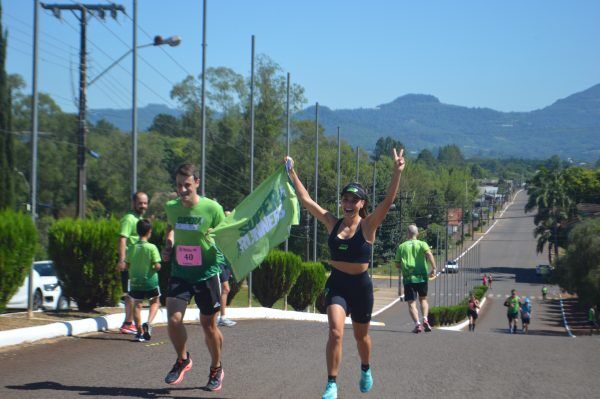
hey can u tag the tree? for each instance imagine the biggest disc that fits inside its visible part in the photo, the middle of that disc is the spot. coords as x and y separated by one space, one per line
450 155
7 159
166 125
548 195
426 157
579 270
384 146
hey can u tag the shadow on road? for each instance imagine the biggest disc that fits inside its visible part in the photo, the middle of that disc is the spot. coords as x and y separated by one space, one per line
548 333
522 274
108 391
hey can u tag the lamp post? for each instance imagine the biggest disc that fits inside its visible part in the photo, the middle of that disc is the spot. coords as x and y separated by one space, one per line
158 41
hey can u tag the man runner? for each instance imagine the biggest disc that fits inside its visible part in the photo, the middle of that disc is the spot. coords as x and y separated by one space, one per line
128 236
194 273
411 259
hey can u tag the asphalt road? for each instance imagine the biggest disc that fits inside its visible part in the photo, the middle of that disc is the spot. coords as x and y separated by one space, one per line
285 359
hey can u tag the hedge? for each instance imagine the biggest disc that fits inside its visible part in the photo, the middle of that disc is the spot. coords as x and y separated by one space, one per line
444 315
274 278
309 285
85 256
18 241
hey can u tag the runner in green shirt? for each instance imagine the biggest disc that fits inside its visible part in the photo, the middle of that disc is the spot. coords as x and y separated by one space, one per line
194 273
412 257
514 304
593 320
143 261
127 237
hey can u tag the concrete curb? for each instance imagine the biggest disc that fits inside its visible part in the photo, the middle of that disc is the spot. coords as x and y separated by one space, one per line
113 322
564 317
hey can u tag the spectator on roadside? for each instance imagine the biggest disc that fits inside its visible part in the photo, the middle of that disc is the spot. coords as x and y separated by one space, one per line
412 258
128 236
484 280
489 279
544 292
526 315
143 264
224 276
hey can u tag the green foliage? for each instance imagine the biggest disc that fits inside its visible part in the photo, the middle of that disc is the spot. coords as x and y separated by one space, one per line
85 255
274 278
578 271
384 146
7 155
308 286
451 155
446 315
18 239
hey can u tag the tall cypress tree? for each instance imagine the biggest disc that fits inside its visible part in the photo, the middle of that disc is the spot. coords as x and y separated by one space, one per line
7 164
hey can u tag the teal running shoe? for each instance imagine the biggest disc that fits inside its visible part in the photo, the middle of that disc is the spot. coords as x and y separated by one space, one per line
330 391
366 381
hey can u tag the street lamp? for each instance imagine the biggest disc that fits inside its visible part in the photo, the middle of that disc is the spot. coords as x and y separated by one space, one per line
171 41
158 41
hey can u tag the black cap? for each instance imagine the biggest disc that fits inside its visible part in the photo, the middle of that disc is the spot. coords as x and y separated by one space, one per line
356 189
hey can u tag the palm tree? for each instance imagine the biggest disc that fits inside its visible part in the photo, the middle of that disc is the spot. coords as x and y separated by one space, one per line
548 194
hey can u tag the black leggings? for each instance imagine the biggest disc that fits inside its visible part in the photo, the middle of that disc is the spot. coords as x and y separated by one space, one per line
352 292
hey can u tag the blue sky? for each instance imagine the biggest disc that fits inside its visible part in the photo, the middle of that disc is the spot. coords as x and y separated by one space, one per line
506 55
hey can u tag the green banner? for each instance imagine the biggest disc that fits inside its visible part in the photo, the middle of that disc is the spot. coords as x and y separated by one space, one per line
258 224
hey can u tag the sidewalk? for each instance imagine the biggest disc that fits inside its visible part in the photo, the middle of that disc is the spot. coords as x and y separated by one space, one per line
384 297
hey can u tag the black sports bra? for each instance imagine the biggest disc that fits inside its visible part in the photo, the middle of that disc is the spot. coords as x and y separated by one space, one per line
352 250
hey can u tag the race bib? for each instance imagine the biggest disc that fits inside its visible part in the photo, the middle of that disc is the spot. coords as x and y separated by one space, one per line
189 255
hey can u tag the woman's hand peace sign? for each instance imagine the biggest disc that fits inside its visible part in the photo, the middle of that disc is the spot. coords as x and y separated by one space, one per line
399 159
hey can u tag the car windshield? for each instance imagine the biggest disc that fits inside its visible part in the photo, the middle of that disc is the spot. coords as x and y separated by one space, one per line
45 269
451 262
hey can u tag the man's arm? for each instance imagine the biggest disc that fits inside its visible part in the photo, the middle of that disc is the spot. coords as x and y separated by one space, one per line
431 261
168 248
122 252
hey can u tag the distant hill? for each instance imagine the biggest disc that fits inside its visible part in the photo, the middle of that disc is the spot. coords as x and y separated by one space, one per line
121 118
570 127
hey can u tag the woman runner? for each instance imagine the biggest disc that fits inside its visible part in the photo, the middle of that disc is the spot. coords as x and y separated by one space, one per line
349 289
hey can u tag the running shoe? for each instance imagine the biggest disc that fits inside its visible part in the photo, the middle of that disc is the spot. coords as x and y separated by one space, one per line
330 391
178 371
366 381
139 337
215 379
426 326
225 322
128 328
147 329
417 329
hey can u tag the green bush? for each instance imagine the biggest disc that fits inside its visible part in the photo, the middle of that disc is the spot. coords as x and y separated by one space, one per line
234 288
320 302
274 278
309 285
18 241
444 315
85 255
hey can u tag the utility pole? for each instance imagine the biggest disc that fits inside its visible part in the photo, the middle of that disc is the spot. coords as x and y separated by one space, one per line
100 10
315 223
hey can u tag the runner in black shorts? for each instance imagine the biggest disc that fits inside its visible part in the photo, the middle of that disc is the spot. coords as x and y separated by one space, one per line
349 289
411 258
194 273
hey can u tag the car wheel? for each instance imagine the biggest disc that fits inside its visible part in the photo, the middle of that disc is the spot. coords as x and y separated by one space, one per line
38 300
62 303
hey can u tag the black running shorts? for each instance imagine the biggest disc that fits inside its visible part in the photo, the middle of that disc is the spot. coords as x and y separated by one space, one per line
141 295
207 293
412 290
352 292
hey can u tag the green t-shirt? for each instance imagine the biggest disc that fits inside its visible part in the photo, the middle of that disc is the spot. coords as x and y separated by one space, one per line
591 315
194 256
514 304
141 257
128 228
411 255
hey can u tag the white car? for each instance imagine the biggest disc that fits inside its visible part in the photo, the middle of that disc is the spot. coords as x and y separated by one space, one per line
47 290
451 267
